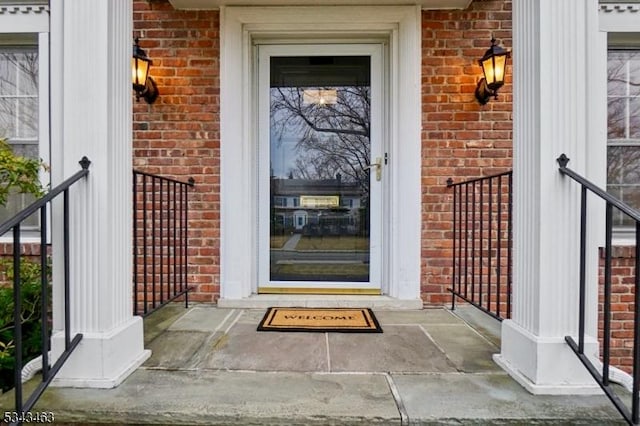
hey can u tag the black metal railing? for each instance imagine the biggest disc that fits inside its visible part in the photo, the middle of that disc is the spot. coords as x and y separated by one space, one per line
160 241
13 224
602 377
482 243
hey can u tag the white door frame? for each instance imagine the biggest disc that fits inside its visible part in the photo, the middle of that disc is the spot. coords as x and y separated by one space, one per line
376 256
240 26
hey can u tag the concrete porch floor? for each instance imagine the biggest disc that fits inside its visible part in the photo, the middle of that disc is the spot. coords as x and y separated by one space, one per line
211 366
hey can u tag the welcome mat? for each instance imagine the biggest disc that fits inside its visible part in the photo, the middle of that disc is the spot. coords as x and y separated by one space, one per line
342 320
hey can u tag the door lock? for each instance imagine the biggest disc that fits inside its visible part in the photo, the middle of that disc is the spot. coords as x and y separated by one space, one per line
378 166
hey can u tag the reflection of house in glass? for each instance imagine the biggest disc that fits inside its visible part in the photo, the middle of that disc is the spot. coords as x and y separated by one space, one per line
317 207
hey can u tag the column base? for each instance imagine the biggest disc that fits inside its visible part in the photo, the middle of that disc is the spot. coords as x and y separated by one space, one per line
544 365
102 360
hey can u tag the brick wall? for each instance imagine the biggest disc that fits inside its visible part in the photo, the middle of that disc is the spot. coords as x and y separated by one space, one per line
622 299
28 252
179 135
461 139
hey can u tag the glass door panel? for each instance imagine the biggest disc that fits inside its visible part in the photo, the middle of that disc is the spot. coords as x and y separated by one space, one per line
321 184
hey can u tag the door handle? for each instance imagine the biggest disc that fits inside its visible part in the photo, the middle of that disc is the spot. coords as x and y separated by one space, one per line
378 166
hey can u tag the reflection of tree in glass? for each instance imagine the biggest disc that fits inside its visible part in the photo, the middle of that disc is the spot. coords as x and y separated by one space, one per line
616 118
623 80
18 94
623 165
623 155
332 138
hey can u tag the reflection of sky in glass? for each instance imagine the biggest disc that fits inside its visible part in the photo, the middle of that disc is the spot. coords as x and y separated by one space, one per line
283 154
282 145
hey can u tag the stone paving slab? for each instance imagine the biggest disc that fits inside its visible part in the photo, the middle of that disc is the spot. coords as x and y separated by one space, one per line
404 348
244 348
251 316
230 398
159 321
469 351
205 319
174 349
224 372
493 399
489 327
423 316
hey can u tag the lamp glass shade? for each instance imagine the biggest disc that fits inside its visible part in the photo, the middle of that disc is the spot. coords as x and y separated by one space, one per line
494 66
139 72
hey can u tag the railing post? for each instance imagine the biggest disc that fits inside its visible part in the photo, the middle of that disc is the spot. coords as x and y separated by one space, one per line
583 267
606 346
134 190
191 182
466 238
178 230
44 293
162 243
459 277
490 208
175 255
453 258
67 268
635 403
473 241
499 249
135 243
480 275
17 317
153 242
145 253
510 246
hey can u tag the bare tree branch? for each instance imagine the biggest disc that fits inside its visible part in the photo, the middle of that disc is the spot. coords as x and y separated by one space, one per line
331 138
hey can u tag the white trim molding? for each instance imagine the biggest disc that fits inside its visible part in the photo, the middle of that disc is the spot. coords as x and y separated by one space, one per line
216 4
620 7
619 17
240 26
24 18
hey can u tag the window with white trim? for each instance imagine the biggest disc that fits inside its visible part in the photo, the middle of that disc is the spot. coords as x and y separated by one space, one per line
623 128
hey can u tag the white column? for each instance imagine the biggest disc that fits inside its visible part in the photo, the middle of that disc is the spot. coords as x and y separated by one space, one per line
559 69
91 115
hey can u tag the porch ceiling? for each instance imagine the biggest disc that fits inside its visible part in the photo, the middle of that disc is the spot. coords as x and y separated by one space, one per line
215 4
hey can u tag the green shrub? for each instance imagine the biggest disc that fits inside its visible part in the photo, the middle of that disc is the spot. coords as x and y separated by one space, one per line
18 174
31 317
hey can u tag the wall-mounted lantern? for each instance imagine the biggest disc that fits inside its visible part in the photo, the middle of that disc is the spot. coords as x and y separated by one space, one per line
143 84
494 66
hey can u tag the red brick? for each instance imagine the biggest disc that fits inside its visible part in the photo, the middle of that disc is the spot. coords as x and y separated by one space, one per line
476 142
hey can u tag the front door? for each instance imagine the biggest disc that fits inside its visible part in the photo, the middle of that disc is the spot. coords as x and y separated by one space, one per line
321 168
